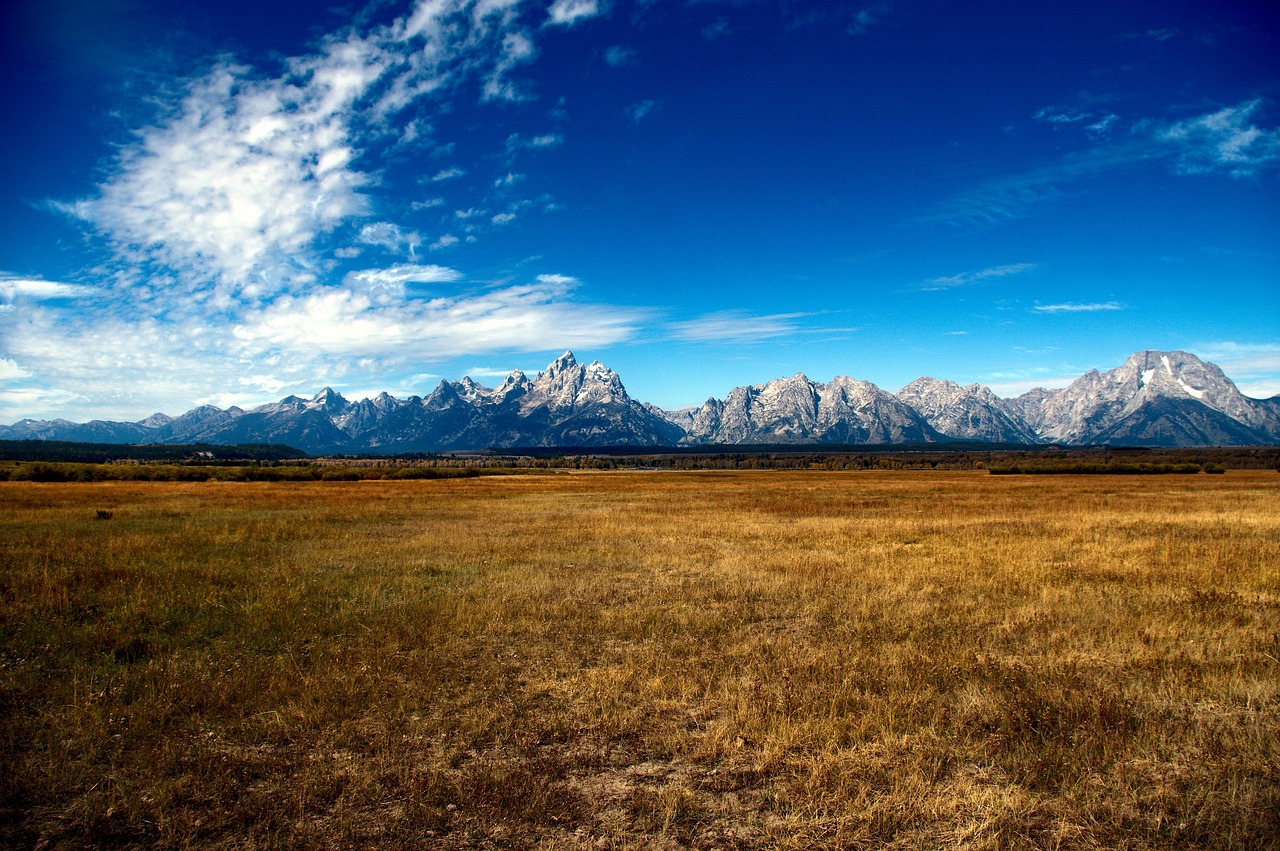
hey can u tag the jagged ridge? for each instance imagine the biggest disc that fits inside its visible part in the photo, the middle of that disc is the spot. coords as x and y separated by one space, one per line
1153 399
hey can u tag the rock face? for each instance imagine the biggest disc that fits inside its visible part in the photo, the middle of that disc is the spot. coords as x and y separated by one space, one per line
798 410
968 413
1153 399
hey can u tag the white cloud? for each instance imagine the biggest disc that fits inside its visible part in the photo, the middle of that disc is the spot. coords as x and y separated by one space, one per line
393 280
36 289
517 142
570 12
735 326
563 282
1225 140
1078 307
1103 125
389 236
488 372
244 177
37 402
1261 388
503 218
58 363
527 317
223 219
10 370
517 49
1254 367
966 278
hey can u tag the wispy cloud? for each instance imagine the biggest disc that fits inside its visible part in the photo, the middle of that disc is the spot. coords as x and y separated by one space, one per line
736 326
393 280
517 49
232 188
638 111
516 142
965 279
570 12
10 369
1226 141
37 289
1078 307
1058 116
389 236
1254 367
372 328
350 321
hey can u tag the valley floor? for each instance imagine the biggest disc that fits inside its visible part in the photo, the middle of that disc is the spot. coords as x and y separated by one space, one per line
643 660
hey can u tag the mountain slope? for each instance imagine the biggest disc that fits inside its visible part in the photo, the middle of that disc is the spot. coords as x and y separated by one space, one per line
1154 393
798 410
1153 399
968 413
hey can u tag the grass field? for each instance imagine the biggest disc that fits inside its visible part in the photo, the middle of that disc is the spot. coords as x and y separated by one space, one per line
641 660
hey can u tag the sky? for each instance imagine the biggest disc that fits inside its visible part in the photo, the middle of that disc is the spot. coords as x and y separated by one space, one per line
227 203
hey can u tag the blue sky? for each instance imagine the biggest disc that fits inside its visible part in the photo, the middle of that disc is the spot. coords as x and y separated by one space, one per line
232 203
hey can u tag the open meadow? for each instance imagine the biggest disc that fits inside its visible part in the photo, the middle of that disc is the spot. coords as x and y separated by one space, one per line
643 660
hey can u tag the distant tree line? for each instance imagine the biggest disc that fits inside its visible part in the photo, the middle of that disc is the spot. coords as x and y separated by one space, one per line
52 461
55 471
106 453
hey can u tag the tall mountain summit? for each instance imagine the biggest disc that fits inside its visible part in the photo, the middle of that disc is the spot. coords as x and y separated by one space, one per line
1153 399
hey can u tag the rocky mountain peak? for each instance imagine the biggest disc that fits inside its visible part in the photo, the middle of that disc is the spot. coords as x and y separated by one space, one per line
1161 398
561 364
329 400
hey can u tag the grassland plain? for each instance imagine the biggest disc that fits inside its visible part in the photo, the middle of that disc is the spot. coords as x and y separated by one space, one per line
643 660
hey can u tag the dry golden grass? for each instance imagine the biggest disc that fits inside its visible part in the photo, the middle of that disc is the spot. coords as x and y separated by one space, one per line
634 660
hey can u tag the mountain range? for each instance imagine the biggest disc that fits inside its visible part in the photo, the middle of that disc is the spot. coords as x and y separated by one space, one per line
1153 399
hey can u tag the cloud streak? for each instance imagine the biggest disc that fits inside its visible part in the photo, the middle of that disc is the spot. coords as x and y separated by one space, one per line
379 325
966 279
1226 141
13 288
1078 307
735 326
1255 366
